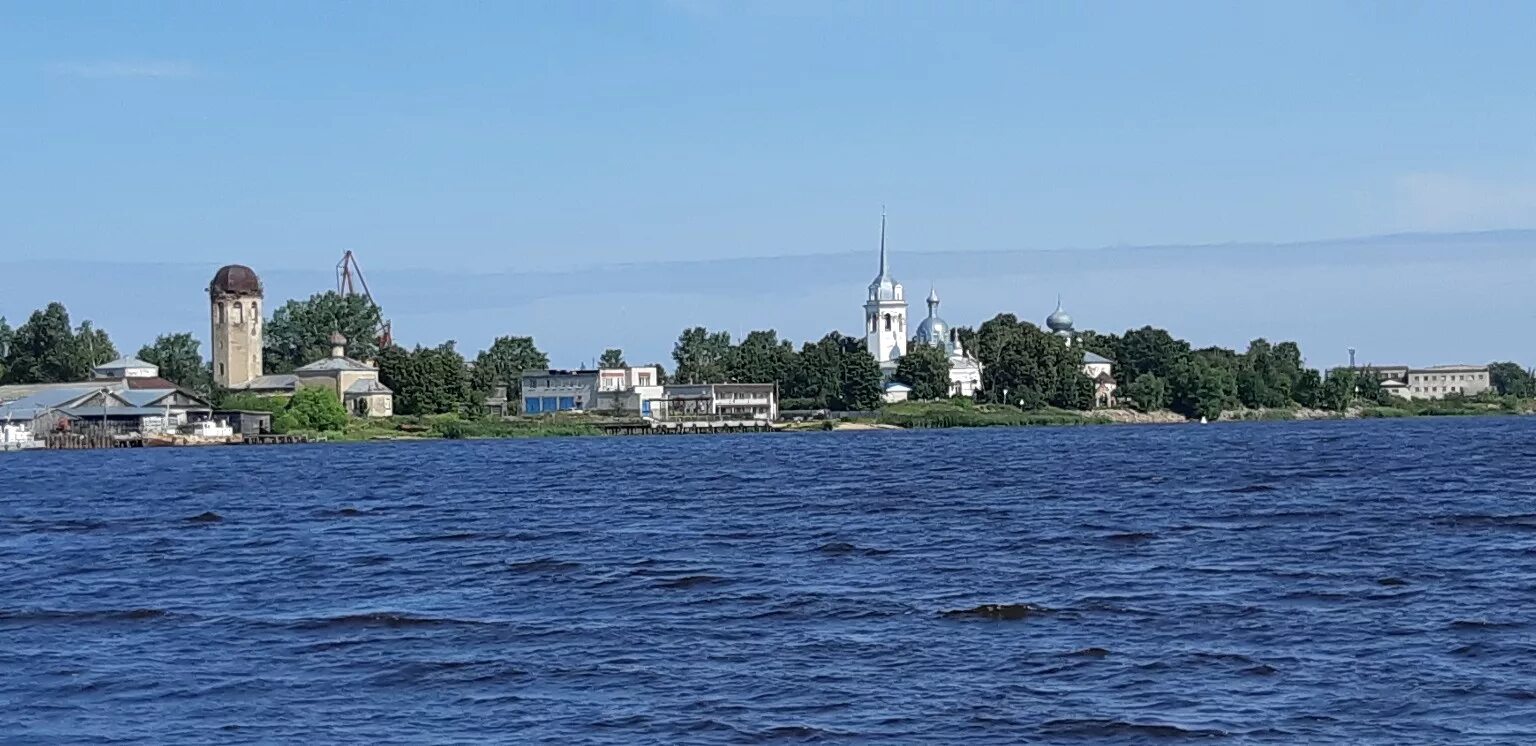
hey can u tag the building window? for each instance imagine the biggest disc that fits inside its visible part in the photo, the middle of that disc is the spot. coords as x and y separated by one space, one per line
239 313
221 369
887 322
223 314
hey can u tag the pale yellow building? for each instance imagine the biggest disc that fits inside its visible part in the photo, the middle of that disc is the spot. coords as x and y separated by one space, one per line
355 383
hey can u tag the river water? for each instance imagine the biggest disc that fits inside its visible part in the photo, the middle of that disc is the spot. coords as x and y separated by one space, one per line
1343 582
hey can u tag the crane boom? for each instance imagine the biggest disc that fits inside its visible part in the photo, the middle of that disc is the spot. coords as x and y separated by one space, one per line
349 277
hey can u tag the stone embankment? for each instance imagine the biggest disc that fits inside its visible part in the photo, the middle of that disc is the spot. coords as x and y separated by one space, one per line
1133 417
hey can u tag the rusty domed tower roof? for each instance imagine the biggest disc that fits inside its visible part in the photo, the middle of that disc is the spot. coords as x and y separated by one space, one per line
235 279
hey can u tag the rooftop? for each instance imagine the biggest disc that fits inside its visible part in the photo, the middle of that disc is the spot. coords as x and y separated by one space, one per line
334 364
126 362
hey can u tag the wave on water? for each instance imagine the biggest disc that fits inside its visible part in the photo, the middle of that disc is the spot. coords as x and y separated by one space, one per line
546 564
691 581
997 612
840 548
386 619
1109 728
85 615
207 516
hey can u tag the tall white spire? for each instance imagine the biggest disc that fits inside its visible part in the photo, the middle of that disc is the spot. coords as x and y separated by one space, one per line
883 269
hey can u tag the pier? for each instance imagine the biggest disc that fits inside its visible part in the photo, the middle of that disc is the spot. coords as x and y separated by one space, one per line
703 427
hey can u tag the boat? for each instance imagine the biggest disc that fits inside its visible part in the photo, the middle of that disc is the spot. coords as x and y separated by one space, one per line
17 438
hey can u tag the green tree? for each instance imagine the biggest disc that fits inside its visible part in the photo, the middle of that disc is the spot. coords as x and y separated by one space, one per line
613 357
426 380
859 379
1309 388
761 358
43 350
180 361
7 334
926 369
1338 389
503 363
1027 366
92 347
1147 350
1509 379
300 331
1200 387
816 378
316 408
701 356
1148 393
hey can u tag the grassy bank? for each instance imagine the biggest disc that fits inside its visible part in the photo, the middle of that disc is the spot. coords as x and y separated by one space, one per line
454 427
1453 407
935 414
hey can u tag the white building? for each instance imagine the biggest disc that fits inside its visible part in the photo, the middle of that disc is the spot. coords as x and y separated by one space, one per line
964 370
1440 381
885 333
125 367
718 401
604 390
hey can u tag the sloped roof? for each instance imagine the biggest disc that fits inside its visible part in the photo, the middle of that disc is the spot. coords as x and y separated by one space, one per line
30 406
16 391
368 386
276 382
148 382
144 397
1094 358
127 362
334 365
86 413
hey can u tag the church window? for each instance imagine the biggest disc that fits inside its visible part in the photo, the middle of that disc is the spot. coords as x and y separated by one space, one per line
239 313
887 322
223 314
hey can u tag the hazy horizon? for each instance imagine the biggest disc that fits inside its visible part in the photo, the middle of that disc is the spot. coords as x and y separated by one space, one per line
1414 299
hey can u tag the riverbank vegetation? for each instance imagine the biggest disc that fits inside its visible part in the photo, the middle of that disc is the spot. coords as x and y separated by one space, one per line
964 413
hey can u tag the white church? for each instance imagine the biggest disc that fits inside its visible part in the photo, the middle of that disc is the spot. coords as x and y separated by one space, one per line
885 334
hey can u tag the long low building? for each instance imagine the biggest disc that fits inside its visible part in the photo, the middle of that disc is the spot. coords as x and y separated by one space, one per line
720 401
1434 382
125 396
637 391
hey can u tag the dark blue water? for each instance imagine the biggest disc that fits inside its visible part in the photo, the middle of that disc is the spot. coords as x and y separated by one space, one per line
1345 582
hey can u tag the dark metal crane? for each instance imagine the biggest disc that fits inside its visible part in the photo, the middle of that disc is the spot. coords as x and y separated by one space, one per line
349 277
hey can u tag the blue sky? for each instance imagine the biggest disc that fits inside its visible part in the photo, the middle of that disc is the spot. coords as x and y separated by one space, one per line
616 168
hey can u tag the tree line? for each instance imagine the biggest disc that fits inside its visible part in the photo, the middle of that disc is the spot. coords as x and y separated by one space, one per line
1023 365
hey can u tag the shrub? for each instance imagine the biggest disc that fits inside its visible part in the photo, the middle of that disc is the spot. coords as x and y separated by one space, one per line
317 409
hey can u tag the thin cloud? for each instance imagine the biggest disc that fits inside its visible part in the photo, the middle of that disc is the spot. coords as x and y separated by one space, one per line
153 69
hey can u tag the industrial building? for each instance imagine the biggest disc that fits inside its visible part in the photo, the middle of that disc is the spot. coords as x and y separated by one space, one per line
1434 382
125 395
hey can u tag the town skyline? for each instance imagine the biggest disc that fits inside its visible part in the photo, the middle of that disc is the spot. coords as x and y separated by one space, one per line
651 302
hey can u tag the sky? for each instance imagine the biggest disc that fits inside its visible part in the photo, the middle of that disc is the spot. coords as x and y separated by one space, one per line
605 174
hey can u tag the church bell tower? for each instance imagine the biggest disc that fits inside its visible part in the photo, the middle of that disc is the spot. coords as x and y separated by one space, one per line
885 313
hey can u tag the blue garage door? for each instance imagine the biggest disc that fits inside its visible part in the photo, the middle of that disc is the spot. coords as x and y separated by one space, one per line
567 402
531 405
